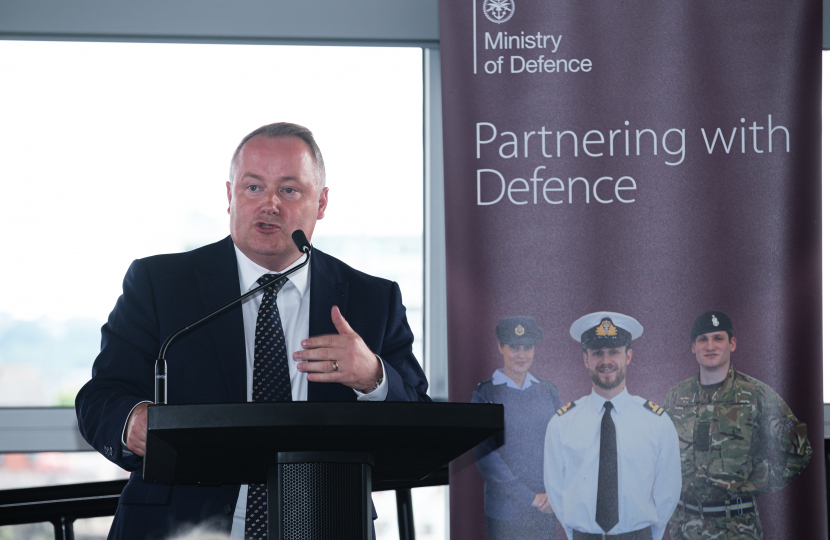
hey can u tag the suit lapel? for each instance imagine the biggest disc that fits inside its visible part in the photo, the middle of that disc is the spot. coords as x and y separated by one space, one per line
218 280
326 291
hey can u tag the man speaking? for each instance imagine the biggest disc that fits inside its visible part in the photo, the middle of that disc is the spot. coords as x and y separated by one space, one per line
325 333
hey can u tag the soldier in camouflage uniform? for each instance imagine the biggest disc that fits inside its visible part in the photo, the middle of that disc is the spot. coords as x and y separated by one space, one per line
738 439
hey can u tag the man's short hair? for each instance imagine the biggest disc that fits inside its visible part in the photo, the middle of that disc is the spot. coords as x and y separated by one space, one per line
284 130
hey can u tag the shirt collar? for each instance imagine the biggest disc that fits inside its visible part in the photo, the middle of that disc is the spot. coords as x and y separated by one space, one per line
250 272
500 378
620 401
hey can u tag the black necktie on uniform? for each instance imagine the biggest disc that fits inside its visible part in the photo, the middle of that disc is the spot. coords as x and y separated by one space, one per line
608 509
271 383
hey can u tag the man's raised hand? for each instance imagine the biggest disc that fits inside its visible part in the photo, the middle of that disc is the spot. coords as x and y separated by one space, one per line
339 358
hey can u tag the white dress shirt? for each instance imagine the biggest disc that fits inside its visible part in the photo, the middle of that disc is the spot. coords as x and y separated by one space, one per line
294 303
648 465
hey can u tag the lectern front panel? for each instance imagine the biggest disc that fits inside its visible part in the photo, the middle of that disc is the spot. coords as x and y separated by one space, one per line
320 496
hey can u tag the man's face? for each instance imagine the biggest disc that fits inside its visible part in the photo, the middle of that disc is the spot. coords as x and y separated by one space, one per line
712 350
607 366
517 359
274 193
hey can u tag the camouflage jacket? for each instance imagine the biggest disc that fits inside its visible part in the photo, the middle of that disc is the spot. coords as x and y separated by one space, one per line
738 440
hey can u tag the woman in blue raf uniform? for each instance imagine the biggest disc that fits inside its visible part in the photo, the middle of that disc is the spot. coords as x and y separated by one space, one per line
511 463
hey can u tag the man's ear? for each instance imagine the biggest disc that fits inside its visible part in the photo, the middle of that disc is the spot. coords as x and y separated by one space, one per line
628 354
322 203
230 195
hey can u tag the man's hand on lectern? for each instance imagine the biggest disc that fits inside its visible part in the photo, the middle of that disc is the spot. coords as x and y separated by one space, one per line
340 358
136 436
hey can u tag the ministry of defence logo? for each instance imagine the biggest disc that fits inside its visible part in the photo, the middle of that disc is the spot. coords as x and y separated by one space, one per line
499 11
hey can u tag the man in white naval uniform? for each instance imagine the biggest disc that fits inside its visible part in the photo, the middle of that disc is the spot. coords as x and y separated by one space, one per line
612 460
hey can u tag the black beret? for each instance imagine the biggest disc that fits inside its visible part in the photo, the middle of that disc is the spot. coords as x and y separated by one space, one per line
712 321
518 331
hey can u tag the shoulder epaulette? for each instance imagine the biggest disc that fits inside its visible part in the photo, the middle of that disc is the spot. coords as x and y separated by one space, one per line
565 408
653 407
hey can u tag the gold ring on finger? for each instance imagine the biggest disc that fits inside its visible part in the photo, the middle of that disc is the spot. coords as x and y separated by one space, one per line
334 365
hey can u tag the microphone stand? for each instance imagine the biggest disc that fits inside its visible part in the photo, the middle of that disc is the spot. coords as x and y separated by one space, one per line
161 362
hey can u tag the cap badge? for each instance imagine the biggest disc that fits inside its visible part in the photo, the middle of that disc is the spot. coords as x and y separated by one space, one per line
715 321
520 330
605 328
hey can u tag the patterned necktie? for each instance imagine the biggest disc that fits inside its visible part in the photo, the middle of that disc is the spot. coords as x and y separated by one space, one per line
608 510
271 383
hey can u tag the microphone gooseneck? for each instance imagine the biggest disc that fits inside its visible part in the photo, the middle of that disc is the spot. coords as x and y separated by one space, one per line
303 246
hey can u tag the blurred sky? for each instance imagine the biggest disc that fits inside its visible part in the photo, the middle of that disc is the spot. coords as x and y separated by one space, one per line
114 151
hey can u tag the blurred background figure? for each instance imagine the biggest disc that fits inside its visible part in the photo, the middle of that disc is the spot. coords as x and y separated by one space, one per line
511 462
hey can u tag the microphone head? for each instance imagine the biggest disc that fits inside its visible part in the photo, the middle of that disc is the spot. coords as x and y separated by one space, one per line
301 241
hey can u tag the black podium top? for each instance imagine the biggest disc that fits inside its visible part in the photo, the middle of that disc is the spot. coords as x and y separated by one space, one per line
236 443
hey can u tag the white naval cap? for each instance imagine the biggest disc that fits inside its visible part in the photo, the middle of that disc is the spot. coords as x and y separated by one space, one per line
606 326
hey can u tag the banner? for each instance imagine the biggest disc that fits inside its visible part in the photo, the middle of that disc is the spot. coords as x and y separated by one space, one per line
653 167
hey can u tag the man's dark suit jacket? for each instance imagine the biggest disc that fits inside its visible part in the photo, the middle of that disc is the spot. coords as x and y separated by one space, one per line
166 292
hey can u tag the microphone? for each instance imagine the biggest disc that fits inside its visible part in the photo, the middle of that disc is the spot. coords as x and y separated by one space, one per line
303 246
300 241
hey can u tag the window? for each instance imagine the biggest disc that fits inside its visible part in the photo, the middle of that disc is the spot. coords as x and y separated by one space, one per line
115 151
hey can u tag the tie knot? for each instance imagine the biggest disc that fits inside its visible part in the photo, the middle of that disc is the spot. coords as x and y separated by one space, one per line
268 278
608 406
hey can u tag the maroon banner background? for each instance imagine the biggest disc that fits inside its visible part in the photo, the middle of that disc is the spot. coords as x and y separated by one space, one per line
737 232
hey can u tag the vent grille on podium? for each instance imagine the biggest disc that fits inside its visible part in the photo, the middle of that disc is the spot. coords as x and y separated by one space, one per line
325 501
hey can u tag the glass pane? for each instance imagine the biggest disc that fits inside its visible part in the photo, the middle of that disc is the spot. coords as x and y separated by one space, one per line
429 508
430 505
93 528
53 468
386 506
114 151
29 531
84 529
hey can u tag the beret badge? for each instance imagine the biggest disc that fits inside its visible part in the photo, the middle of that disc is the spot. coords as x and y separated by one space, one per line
520 330
606 328
712 321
